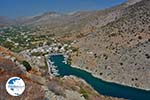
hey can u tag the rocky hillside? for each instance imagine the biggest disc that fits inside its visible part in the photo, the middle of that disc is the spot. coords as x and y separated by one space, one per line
42 87
119 51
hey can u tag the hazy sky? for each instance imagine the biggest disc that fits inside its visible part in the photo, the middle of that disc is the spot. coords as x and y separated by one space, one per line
17 8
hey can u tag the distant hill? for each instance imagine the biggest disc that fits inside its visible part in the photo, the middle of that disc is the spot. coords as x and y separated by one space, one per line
4 21
82 22
78 22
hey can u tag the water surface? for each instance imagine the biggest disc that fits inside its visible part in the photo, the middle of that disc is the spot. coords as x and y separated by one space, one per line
102 87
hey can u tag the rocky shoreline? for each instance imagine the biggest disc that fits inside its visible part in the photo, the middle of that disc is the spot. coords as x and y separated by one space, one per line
146 89
99 77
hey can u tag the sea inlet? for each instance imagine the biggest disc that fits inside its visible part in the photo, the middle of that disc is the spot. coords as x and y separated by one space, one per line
102 87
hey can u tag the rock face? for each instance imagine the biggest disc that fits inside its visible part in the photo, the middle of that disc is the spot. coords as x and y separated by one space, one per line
120 49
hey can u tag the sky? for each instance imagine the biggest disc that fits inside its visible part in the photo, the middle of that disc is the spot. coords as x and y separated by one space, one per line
22 8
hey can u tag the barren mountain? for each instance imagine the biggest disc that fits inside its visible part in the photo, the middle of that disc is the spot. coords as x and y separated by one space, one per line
78 23
119 51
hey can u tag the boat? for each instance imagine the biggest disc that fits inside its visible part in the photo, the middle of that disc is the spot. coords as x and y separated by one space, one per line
54 70
56 74
65 62
54 66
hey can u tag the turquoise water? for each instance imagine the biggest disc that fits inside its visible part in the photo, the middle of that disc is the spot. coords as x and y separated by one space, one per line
102 87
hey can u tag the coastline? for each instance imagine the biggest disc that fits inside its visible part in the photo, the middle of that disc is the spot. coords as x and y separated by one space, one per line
48 65
96 76
51 70
110 81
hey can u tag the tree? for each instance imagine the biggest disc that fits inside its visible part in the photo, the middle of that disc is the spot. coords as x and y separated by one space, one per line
8 44
27 65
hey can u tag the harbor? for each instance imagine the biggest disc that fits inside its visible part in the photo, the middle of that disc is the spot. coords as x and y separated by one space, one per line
52 69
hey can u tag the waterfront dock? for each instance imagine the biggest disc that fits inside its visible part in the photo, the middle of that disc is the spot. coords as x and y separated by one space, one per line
52 70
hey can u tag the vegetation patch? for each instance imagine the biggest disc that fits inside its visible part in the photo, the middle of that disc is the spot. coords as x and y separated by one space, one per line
27 65
84 93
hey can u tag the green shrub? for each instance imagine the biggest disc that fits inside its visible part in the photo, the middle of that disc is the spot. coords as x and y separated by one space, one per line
84 93
8 44
27 65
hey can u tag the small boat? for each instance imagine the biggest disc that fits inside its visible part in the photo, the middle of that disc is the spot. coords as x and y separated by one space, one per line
56 74
52 62
54 70
65 62
54 66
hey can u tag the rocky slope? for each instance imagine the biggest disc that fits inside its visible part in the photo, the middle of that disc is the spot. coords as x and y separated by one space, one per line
39 87
119 51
